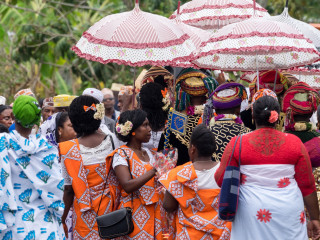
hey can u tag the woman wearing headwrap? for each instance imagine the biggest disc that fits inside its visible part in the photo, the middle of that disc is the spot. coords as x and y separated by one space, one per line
299 103
193 88
226 100
31 181
276 181
273 80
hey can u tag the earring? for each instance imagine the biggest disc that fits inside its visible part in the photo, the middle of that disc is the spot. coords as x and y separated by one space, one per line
133 134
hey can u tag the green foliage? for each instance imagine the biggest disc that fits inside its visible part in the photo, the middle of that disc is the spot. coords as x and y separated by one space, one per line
36 37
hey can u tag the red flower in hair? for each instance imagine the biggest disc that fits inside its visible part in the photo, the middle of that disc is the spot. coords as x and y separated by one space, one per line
273 117
264 215
284 182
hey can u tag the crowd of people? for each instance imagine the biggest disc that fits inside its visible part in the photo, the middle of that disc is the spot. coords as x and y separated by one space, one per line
67 159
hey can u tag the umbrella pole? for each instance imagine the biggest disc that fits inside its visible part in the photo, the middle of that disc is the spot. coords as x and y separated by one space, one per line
258 80
275 81
134 87
287 2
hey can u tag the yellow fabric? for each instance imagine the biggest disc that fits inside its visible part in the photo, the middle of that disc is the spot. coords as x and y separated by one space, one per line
63 100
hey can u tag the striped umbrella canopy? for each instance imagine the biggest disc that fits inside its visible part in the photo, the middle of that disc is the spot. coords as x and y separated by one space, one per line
256 44
197 35
306 29
135 38
215 14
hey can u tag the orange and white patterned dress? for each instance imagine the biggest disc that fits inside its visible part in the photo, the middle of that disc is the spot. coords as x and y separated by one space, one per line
87 181
197 214
146 204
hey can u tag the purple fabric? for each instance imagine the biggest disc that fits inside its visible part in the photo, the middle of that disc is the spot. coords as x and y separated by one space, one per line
313 148
223 105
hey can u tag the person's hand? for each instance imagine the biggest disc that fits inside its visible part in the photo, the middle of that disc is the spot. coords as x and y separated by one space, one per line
313 227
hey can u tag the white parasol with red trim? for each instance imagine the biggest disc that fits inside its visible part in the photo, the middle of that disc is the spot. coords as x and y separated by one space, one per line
197 35
135 38
256 44
215 14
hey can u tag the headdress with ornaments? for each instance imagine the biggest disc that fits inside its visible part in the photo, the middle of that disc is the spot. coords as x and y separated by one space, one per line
300 99
192 82
124 129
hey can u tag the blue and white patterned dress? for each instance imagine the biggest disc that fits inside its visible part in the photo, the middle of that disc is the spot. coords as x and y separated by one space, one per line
31 189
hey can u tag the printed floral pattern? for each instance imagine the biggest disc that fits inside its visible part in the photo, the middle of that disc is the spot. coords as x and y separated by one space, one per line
96 49
295 56
302 217
243 42
316 79
240 60
149 53
215 58
284 182
269 60
122 52
272 41
243 179
174 51
264 215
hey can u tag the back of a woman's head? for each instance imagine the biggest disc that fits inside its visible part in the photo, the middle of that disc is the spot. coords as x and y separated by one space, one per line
83 121
262 109
151 100
136 117
203 139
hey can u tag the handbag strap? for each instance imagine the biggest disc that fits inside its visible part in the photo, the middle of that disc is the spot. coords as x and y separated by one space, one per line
240 150
234 147
105 184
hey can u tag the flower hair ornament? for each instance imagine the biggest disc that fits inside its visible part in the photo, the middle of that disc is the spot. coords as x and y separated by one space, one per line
124 129
165 99
274 116
98 109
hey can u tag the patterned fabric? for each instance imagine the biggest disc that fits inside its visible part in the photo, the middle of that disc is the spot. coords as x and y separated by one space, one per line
63 100
47 102
88 183
228 95
192 82
267 79
146 204
197 214
48 130
26 92
300 99
156 71
180 141
224 131
263 92
276 174
31 189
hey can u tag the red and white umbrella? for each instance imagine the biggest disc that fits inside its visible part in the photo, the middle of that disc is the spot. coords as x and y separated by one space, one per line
256 44
306 29
309 74
135 38
215 14
197 35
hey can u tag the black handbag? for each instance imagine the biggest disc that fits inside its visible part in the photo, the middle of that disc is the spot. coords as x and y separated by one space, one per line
117 223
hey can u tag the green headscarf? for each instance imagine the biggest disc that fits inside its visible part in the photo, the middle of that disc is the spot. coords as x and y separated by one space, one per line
26 111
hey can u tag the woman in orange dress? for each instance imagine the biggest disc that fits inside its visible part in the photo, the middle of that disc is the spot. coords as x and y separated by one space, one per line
131 163
84 169
193 192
